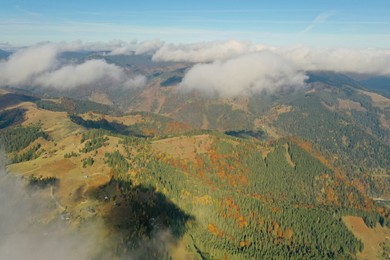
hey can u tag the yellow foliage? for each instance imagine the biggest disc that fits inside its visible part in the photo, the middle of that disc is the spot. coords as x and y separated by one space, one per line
288 233
245 243
203 200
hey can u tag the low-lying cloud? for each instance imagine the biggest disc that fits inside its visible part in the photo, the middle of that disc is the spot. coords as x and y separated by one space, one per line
24 236
234 68
24 65
244 75
361 61
87 73
41 66
367 61
226 68
201 52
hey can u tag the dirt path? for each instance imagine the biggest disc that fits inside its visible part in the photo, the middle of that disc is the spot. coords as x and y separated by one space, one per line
288 156
55 199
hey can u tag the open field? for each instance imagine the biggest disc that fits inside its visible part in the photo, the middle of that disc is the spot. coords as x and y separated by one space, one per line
371 238
184 147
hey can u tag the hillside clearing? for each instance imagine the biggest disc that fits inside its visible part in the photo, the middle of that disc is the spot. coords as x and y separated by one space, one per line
371 237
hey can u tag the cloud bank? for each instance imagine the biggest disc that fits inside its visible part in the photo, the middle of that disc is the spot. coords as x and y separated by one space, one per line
243 75
201 52
363 61
371 61
234 68
226 68
40 65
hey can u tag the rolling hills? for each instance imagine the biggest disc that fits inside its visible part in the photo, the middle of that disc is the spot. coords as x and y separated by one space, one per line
291 173
279 183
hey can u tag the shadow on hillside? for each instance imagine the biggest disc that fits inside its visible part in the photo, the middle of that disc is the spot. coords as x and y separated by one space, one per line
11 117
146 220
259 134
11 99
114 127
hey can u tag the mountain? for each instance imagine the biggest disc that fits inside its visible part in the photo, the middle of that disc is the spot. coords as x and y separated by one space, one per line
295 173
380 84
274 185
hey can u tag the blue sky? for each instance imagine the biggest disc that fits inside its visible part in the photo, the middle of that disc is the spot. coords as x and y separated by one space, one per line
330 23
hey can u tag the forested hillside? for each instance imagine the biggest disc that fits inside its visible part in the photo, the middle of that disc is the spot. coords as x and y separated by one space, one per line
234 196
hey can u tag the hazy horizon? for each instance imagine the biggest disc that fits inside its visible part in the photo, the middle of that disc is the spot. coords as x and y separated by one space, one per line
284 23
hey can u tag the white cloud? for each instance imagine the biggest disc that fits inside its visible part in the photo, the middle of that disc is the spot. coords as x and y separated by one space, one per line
321 18
89 72
366 61
372 61
40 66
201 52
115 47
243 75
149 47
135 82
25 64
242 68
128 48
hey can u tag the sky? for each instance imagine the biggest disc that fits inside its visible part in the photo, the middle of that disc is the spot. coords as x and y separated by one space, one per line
330 23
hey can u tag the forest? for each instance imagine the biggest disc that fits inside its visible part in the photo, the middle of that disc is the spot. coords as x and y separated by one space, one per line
234 194
247 205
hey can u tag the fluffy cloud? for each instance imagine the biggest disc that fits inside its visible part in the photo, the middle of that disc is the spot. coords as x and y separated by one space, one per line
240 68
89 72
148 47
371 61
243 75
40 66
364 61
120 47
25 64
201 52
115 47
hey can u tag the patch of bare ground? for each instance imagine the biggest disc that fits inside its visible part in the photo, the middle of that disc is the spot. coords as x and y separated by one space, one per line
75 182
56 124
313 90
288 156
385 121
346 104
153 98
371 237
265 122
261 123
238 103
377 100
183 147
328 106
101 98
265 152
